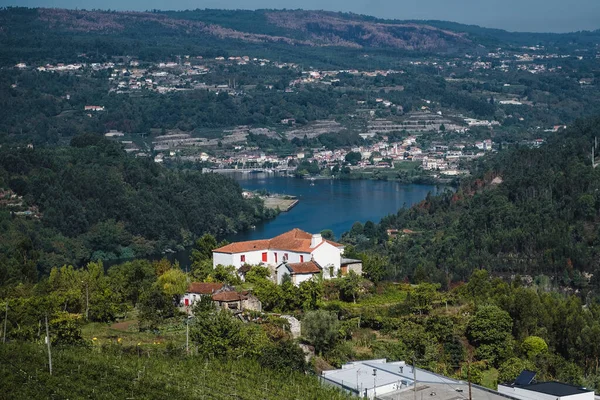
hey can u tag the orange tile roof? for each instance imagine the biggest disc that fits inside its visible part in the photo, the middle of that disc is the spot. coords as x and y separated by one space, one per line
204 287
241 247
295 240
309 267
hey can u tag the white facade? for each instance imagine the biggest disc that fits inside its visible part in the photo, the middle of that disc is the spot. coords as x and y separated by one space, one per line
329 258
530 392
292 247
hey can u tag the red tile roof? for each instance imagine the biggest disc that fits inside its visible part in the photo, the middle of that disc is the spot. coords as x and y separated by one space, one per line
295 240
203 287
309 267
228 296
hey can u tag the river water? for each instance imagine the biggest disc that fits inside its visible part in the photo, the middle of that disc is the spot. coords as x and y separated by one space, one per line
323 204
329 204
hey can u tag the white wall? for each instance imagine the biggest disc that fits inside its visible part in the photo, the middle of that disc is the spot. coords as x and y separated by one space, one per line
293 257
524 394
281 272
252 258
192 298
381 390
299 278
223 259
327 255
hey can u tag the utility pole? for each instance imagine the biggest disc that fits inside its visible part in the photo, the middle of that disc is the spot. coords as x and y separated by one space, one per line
87 301
187 336
414 379
374 384
469 378
48 342
5 321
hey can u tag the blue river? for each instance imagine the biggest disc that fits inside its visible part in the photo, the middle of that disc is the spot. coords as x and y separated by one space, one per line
330 204
323 204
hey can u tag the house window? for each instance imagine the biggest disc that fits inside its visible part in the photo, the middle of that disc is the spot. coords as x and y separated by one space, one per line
285 256
331 272
301 258
243 258
275 258
264 257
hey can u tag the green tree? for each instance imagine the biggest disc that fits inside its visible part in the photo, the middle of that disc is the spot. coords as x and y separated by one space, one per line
532 346
283 356
270 294
374 267
173 283
489 330
353 157
349 286
321 328
328 234
310 293
420 300
257 273
65 329
203 248
511 368
226 274
155 306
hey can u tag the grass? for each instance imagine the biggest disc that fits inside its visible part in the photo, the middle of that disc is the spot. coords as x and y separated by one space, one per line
126 333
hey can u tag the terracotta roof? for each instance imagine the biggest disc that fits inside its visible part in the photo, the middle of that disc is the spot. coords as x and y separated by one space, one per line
295 240
241 247
309 267
203 287
228 296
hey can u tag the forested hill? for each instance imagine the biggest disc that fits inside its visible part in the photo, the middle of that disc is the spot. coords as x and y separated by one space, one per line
524 211
92 201
43 35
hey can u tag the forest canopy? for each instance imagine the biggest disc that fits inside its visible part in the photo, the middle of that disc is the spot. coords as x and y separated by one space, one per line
92 201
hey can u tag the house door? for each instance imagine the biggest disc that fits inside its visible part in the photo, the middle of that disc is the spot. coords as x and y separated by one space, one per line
187 302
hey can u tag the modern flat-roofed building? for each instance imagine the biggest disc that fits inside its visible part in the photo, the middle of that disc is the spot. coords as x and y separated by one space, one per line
378 379
547 391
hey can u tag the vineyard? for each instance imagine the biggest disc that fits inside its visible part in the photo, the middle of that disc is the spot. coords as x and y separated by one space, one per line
128 373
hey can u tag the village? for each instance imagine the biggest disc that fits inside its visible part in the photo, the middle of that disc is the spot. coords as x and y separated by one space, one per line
430 137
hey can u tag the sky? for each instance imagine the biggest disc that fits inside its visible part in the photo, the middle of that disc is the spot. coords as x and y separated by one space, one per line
512 15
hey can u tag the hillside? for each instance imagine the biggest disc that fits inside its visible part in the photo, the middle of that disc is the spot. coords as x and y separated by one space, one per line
68 34
524 211
112 372
93 201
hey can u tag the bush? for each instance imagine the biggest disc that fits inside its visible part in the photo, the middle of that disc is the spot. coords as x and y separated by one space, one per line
283 355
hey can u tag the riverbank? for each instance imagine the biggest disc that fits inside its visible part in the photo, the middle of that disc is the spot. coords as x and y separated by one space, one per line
281 203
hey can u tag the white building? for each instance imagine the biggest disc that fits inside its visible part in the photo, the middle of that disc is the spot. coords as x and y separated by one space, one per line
547 391
398 381
297 253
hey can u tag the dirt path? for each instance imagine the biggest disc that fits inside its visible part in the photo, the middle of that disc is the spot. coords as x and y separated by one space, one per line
123 326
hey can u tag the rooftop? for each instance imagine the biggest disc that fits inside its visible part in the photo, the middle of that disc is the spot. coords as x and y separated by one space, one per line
309 267
360 373
203 287
557 389
229 296
295 240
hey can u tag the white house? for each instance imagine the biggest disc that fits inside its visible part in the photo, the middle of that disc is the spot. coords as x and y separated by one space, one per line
198 289
298 253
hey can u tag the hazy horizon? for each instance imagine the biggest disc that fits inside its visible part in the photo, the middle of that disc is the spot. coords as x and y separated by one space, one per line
513 15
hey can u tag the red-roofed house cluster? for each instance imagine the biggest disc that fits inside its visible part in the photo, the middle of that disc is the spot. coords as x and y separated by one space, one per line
296 253
224 296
